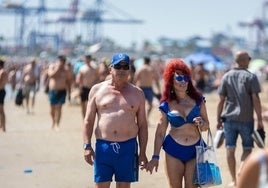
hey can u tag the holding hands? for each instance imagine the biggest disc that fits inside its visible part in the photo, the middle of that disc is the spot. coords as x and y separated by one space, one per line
153 163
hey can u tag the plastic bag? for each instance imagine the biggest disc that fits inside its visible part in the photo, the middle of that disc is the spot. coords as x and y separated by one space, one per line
207 172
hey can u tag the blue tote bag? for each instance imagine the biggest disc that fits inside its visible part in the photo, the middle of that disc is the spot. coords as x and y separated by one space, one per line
207 171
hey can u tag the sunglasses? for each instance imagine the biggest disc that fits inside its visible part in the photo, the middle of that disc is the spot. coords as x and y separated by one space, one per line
182 78
120 66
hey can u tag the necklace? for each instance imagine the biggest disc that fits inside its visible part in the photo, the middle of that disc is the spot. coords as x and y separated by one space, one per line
182 100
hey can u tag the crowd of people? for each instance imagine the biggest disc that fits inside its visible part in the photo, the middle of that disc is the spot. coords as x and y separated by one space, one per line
121 97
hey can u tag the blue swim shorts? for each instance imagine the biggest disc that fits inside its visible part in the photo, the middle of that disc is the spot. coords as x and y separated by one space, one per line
234 128
181 152
116 158
148 92
57 96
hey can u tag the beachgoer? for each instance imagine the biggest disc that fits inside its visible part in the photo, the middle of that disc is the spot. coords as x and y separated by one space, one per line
103 69
183 108
59 85
120 108
87 76
3 81
200 76
30 81
144 78
238 98
12 80
254 172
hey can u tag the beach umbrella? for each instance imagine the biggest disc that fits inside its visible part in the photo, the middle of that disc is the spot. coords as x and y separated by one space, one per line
257 64
210 61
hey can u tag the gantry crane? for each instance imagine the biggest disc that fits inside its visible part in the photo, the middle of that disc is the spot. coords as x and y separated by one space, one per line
93 17
259 25
20 10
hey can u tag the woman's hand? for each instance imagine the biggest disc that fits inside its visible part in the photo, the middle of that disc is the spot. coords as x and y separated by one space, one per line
198 121
153 163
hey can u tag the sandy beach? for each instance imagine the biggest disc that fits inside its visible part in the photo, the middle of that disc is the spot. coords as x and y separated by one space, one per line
34 156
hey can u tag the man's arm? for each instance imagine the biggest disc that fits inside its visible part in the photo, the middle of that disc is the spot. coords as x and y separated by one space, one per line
54 69
3 78
219 111
143 129
257 107
88 126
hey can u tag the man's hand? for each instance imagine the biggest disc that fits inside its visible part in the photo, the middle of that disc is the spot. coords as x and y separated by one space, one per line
143 161
89 156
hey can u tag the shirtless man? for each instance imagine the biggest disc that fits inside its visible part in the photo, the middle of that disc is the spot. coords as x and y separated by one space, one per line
3 81
59 85
30 81
87 76
144 78
200 77
120 108
12 80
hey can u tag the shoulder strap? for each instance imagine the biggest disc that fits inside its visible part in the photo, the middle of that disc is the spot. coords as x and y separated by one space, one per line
164 107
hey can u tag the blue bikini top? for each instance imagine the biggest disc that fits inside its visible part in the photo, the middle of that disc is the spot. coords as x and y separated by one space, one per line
175 119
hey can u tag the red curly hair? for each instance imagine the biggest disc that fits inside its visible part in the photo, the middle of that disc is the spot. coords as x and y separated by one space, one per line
178 66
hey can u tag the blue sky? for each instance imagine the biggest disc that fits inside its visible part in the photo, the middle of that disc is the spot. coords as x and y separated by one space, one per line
178 19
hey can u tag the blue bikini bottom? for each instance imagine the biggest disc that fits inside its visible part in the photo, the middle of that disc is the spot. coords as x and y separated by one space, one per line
181 152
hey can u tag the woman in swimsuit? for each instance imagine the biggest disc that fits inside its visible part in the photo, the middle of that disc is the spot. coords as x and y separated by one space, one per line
183 107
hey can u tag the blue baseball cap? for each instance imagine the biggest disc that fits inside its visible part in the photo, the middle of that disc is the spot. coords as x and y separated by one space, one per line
119 57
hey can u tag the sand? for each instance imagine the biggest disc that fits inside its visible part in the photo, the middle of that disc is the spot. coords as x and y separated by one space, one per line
32 155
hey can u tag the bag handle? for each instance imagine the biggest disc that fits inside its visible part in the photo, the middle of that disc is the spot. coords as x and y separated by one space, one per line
209 138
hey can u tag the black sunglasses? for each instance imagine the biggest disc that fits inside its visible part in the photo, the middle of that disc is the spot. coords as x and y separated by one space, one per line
120 66
181 78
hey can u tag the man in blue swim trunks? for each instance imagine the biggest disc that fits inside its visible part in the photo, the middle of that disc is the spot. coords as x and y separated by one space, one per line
59 85
120 108
144 78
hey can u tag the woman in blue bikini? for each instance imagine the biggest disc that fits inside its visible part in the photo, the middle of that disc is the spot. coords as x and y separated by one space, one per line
183 107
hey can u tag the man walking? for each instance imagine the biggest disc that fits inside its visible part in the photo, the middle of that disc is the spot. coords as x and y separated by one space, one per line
238 98
120 108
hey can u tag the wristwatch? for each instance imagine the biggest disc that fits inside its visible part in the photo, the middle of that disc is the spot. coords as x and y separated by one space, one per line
87 146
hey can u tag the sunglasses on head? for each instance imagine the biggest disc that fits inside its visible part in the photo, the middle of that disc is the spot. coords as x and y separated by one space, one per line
120 66
182 78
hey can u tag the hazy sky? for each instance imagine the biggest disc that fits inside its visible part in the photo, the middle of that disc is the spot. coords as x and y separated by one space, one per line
178 19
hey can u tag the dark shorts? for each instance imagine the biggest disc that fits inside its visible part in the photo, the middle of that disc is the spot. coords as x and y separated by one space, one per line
57 96
148 92
116 158
84 94
2 95
234 128
181 152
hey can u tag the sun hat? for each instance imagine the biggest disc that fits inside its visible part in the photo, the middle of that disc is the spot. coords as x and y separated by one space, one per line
119 57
